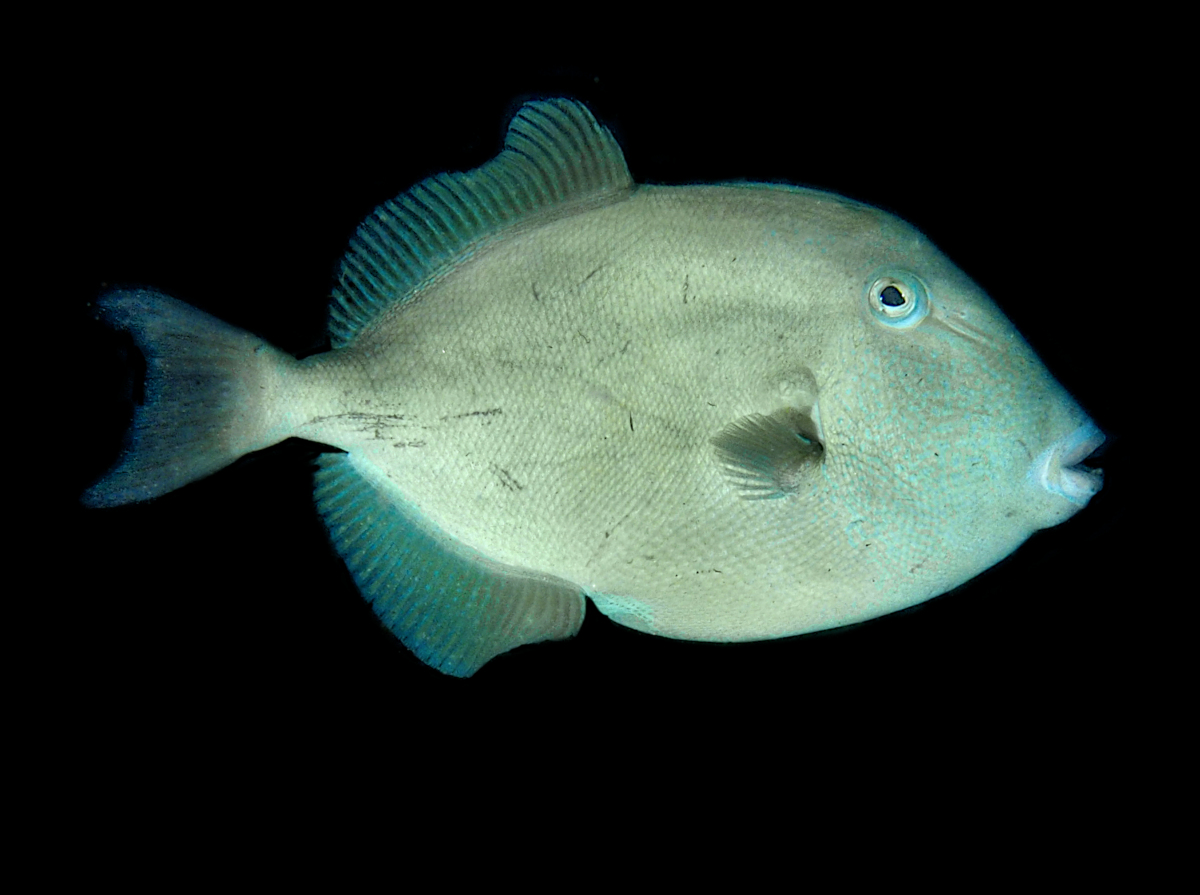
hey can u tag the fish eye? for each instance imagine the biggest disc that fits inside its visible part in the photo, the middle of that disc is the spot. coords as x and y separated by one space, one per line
898 299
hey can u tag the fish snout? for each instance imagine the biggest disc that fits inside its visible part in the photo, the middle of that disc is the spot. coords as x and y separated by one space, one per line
1058 471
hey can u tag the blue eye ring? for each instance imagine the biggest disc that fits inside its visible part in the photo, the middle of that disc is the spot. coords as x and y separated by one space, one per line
898 299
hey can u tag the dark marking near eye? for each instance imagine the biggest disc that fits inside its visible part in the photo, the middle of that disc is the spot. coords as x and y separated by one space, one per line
631 422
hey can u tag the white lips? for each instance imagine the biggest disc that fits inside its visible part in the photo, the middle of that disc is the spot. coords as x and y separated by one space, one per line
1055 469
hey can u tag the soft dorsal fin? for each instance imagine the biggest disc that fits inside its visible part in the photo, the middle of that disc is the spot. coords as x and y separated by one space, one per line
452 607
555 154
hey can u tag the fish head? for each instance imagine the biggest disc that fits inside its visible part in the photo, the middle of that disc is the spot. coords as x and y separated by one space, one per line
947 442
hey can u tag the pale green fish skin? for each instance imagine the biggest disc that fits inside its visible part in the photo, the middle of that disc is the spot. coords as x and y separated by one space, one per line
553 400
551 403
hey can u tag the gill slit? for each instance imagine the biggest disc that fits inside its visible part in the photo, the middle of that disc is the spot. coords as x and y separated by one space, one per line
964 329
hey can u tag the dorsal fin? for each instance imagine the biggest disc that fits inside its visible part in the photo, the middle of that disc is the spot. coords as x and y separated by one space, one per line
555 154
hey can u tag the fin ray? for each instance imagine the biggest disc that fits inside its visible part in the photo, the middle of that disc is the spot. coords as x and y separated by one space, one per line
452 607
207 397
554 153
767 457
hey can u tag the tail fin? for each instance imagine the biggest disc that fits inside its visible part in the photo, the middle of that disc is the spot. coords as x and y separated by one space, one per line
211 395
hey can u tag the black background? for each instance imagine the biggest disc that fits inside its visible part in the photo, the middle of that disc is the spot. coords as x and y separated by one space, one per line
218 617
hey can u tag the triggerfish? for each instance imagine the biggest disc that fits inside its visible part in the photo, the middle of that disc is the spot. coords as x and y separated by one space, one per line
719 412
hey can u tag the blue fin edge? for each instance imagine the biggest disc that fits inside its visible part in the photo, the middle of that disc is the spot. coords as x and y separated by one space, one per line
453 608
555 153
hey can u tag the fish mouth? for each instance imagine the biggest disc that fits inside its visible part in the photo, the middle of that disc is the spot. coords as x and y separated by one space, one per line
1060 470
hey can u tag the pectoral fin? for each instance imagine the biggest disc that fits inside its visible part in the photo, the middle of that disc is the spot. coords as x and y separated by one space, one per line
769 456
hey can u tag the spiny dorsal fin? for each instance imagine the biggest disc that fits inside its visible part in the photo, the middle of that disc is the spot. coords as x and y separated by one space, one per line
555 154
452 607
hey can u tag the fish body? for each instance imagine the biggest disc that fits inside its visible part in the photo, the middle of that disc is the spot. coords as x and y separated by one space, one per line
720 412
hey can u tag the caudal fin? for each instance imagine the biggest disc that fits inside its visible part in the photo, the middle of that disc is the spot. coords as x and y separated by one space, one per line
211 395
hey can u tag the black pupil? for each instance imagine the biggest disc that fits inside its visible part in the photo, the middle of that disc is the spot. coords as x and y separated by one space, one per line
891 296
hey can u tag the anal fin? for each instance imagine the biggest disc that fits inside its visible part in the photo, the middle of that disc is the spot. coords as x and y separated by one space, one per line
454 608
